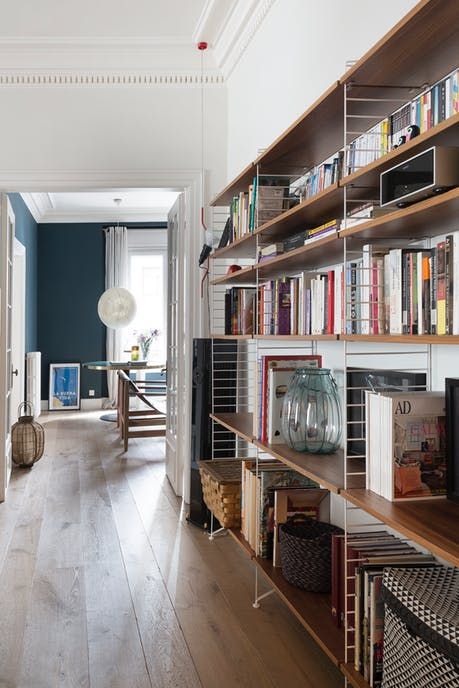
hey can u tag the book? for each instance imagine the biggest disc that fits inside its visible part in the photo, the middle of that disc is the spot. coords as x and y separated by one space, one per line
278 361
406 456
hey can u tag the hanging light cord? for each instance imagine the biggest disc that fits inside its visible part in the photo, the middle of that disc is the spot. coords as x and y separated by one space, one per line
202 46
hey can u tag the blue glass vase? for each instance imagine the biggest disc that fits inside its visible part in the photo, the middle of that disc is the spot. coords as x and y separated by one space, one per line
311 413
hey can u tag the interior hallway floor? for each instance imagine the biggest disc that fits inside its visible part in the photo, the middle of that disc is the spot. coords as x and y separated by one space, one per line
104 584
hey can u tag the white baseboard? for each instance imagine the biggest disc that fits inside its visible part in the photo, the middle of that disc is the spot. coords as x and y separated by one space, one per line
90 404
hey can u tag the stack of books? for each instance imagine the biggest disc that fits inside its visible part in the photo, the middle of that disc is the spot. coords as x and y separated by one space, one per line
318 178
368 553
267 252
310 303
404 290
405 444
422 113
239 310
258 488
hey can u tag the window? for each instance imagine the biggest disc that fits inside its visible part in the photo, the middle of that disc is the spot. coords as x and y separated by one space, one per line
148 283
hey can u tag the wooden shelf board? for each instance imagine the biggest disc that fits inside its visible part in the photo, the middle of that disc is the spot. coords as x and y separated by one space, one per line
243 276
444 133
326 469
435 215
430 523
298 337
244 247
232 336
401 338
239 183
354 677
312 212
317 253
239 423
423 45
313 610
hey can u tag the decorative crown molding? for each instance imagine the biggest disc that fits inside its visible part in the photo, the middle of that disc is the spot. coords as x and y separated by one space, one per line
240 28
54 77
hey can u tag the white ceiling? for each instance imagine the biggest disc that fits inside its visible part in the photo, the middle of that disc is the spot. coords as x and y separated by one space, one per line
57 37
101 18
137 205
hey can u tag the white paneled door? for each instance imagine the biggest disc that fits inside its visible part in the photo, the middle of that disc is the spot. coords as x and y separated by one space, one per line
175 342
6 365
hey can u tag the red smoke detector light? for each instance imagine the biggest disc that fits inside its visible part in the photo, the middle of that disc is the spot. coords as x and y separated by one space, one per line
202 45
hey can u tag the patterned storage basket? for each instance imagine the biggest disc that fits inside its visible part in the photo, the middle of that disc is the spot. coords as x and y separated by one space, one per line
305 549
221 490
421 628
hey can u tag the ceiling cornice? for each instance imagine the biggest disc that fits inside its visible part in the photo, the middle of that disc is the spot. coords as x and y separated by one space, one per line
139 215
43 211
239 28
110 78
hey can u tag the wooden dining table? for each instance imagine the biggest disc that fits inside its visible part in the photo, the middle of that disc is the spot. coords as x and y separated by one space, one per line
128 367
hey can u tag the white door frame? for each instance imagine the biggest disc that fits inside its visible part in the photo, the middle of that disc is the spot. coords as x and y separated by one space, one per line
188 181
18 324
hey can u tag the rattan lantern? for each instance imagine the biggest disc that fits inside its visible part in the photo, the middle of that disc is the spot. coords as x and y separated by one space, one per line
27 437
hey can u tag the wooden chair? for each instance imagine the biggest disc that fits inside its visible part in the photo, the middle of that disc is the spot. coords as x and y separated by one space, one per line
148 422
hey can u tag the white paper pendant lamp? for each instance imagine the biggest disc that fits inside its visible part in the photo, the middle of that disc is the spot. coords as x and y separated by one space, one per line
117 307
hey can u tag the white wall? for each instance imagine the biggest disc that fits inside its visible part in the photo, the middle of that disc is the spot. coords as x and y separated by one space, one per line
132 128
299 50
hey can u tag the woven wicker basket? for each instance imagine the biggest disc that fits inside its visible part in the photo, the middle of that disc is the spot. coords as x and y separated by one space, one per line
305 548
221 488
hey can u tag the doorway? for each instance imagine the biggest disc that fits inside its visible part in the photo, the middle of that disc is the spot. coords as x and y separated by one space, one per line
193 315
18 327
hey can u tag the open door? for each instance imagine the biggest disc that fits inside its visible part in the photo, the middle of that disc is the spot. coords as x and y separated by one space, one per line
18 328
175 342
6 314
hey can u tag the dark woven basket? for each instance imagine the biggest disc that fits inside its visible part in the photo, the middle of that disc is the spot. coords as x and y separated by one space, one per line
305 548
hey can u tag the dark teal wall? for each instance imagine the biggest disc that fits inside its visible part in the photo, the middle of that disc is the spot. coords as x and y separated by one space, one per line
26 232
71 278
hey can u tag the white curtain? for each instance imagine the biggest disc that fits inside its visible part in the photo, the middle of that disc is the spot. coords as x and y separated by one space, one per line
116 275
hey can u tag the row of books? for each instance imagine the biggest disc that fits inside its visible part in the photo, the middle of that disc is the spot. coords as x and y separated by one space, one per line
404 290
239 310
411 291
318 178
260 515
297 240
309 304
266 198
415 117
426 110
405 444
274 374
368 553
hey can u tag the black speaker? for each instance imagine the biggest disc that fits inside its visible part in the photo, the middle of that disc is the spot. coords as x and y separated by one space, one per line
224 355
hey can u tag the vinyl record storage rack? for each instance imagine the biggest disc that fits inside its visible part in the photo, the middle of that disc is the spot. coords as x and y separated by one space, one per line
419 51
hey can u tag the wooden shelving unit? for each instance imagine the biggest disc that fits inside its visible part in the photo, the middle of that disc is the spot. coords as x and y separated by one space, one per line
298 337
419 50
313 610
402 338
430 522
239 423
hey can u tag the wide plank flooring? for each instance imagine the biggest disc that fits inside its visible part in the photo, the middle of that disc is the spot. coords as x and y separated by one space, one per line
103 584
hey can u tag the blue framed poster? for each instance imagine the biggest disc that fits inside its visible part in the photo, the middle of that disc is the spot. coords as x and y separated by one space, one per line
64 386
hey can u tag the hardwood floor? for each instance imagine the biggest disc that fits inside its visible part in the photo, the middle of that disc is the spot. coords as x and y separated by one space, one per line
104 584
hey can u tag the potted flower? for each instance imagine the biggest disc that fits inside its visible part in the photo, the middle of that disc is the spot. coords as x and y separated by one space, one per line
145 339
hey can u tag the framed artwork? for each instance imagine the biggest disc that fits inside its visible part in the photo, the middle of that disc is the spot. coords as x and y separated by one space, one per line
64 386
